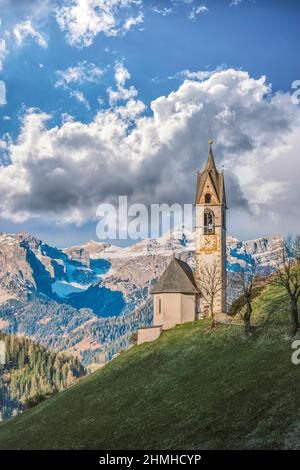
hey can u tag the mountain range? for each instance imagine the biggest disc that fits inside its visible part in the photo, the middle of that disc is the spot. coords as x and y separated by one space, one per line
88 300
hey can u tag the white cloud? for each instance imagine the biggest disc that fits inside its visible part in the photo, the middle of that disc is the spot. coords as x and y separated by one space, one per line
197 75
4 146
178 2
162 11
131 110
132 21
83 20
121 74
3 52
64 172
79 96
81 73
78 75
121 93
196 11
24 30
66 117
2 93
235 3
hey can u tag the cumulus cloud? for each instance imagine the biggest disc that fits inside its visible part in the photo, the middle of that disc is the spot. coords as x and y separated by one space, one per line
83 20
63 173
81 73
235 3
24 30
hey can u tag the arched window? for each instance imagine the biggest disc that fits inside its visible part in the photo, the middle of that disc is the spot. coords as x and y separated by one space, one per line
209 222
207 198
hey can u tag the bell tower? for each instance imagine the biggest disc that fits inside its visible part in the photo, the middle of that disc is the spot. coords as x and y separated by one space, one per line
210 202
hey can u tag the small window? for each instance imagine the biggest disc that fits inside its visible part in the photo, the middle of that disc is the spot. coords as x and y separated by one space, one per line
207 198
159 305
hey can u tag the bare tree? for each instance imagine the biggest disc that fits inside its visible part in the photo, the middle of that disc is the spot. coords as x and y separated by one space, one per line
288 276
210 284
247 277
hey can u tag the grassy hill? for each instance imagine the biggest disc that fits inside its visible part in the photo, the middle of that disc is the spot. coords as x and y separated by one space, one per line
192 388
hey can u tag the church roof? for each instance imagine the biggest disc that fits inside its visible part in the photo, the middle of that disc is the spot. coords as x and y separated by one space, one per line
210 164
177 278
216 178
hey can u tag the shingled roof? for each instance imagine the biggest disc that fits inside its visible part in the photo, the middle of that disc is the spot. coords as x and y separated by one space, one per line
216 178
177 278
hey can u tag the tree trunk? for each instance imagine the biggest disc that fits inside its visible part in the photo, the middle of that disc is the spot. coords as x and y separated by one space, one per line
213 323
247 319
294 316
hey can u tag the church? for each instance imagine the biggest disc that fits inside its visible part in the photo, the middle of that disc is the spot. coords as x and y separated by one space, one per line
181 295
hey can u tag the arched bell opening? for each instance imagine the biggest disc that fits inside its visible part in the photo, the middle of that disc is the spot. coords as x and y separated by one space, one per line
209 222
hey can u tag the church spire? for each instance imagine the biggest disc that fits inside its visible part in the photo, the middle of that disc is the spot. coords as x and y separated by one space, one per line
210 164
211 173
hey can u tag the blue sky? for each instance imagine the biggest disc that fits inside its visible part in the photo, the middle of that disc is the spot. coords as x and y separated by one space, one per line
163 44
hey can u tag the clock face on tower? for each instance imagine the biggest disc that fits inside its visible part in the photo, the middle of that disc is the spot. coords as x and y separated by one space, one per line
208 243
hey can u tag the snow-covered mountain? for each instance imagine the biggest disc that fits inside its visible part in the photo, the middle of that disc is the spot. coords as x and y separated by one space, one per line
88 299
